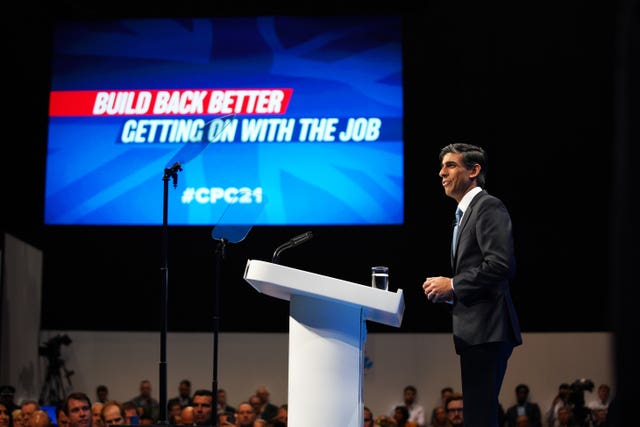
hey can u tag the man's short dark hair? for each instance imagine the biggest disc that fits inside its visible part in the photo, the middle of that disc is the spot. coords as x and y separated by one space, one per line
76 395
203 392
471 155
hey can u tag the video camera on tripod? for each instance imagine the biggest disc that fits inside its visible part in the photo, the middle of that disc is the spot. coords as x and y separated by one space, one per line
51 349
581 413
53 391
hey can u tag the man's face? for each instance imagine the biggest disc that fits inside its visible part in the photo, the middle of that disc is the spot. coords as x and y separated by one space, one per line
409 396
62 419
5 415
27 410
368 418
112 416
129 414
456 179
202 409
263 394
79 413
603 393
256 403
185 390
454 412
521 395
96 409
145 389
246 414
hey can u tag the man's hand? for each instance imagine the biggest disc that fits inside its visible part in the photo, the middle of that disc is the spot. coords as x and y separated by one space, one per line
438 289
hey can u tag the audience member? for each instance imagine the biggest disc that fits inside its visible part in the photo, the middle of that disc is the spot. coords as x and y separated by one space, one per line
599 418
445 392
28 407
401 415
368 417
245 415
39 418
454 408
256 404
564 417
7 396
113 413
6 420
173 411
268 410
96 412
145 420
146 404
62 419
524 407
604 396
223 404
77 406
16 416
522 421
226 419
282 418
186 416
102 394
202 403
184 394
439 417
559 401
416 411
132 416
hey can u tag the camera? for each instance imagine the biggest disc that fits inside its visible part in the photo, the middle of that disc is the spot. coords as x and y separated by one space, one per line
577 389
51 349
581 413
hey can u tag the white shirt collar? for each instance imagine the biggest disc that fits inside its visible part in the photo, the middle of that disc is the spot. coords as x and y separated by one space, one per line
466 199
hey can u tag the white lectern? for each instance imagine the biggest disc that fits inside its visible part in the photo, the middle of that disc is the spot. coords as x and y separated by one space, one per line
327 332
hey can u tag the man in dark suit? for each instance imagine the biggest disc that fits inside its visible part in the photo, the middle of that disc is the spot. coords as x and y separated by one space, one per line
485 324
524 407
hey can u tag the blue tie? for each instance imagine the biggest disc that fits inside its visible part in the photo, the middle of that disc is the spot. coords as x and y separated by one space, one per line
455 231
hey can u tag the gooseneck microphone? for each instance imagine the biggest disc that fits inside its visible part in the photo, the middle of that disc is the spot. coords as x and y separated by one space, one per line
172 172
294 241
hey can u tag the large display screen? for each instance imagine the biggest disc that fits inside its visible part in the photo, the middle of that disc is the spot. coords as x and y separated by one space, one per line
262 120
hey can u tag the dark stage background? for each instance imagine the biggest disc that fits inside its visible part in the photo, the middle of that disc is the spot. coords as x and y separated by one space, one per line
533 84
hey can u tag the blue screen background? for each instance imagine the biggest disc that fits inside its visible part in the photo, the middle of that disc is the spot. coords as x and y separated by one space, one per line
338 67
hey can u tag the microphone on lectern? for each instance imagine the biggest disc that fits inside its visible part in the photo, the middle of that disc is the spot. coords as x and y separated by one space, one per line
294 241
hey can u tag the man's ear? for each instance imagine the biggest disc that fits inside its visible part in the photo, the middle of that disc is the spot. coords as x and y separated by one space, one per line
475 171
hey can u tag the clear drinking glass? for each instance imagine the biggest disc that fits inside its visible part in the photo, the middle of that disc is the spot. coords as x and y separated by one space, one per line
380 277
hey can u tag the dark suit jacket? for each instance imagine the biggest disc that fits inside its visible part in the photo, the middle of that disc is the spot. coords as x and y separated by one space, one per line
269 411
484 263
532 410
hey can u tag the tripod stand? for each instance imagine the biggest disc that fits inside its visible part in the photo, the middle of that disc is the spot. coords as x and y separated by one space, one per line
53 390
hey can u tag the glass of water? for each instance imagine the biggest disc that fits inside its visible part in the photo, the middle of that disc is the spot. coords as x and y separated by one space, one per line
380 277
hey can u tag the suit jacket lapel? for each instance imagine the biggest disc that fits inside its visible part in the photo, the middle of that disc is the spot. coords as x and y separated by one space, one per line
463 223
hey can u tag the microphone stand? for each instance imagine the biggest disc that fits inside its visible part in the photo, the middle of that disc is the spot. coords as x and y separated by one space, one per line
169 173
220 254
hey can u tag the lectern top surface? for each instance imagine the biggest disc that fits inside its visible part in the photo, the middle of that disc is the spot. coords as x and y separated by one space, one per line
282 282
